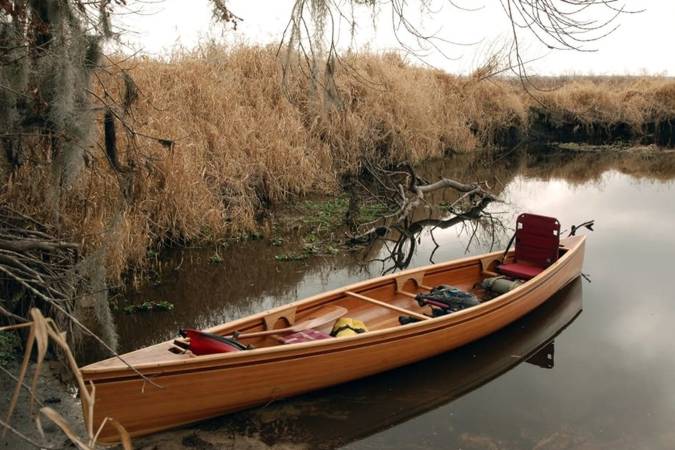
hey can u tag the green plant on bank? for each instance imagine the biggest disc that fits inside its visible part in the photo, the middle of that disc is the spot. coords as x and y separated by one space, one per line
245 236
331 250
291 257
149 305
324 214
311 238
320 220
215 259
277 241
327 215
309 249
9 344
371 211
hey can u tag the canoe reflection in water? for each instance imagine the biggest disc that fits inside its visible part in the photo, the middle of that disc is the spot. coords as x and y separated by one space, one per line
349 412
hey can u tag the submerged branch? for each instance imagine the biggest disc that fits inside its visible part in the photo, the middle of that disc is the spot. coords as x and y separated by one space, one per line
470 204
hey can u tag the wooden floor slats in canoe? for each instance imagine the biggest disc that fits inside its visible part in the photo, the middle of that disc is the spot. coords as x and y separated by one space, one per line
194 387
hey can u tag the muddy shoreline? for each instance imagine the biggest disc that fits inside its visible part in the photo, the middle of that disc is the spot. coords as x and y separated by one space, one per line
51 391
60 395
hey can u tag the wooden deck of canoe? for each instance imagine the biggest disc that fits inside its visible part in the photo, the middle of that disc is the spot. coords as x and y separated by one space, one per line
197 387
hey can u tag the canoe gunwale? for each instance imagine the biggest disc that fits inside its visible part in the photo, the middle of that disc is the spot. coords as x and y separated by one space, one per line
293 351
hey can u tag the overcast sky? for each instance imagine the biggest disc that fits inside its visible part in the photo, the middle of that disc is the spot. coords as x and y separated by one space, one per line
642 43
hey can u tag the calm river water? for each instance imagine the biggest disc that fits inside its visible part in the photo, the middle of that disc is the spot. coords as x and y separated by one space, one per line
594 368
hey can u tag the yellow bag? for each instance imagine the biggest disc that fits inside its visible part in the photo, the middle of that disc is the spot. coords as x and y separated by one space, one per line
348 327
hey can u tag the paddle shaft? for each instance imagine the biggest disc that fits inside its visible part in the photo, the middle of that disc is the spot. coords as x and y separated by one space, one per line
268 332
318 321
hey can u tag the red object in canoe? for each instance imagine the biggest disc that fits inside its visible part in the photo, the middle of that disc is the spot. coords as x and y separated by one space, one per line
537 246
202 343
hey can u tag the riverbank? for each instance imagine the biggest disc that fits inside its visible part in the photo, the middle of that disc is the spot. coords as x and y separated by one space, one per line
50 391
55 394
237 140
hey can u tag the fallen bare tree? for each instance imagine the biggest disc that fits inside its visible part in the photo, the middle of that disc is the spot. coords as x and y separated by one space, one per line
406 193
41 271
478 224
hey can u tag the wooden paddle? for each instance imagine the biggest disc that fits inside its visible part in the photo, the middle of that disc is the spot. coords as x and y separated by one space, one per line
321 317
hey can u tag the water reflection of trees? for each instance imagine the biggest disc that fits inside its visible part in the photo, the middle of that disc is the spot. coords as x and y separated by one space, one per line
578 166
417 205
574 165
481 227
398 242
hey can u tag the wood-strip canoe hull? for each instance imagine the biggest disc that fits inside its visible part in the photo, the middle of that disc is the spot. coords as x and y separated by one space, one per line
212 386
413 390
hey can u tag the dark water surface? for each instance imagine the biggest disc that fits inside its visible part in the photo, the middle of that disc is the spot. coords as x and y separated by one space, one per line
601 378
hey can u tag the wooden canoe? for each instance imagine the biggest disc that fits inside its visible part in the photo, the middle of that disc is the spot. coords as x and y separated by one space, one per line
193 388
374 404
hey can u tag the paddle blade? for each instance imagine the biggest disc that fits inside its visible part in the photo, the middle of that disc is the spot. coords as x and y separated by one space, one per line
319 318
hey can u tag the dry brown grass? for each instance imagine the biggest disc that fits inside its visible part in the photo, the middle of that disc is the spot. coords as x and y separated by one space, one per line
241 143
632 100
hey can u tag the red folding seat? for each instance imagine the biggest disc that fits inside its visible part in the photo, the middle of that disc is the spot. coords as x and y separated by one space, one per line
537 246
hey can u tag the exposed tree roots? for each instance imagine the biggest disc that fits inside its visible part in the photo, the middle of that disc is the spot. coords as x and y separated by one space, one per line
34 265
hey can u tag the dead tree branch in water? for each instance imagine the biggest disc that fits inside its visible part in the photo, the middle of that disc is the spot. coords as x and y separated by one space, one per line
405 192
475 222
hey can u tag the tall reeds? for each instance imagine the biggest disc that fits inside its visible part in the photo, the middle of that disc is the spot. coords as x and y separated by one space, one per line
246 139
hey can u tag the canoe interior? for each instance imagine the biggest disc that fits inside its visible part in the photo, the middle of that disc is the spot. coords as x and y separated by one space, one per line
378 303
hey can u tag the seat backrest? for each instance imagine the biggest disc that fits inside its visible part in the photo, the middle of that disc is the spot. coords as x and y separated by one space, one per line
537 239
